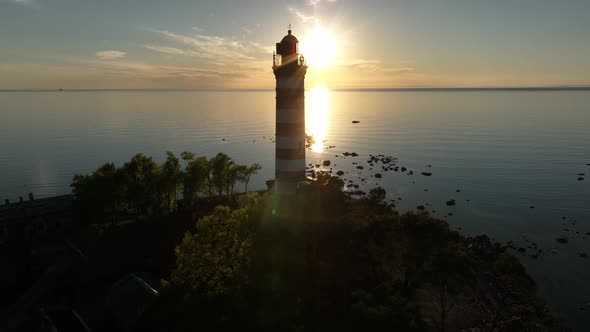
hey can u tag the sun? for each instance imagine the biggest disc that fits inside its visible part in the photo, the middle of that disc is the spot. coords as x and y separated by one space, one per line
319 48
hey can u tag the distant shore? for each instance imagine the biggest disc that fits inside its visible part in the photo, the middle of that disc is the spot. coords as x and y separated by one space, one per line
407 89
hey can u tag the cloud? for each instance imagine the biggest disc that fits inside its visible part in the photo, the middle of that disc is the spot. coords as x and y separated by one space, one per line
27 3
210 46
110 55
315 3
302 16
163 75
373 66
227 60
169 50
230 52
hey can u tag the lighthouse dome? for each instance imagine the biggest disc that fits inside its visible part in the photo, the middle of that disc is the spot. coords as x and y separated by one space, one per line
289 38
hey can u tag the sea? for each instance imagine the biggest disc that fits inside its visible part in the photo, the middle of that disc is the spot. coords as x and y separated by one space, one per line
515 161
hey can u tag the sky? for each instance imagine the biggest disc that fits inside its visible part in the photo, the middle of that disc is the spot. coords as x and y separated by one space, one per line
201 44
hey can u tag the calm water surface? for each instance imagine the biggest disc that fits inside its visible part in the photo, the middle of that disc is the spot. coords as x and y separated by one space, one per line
504 151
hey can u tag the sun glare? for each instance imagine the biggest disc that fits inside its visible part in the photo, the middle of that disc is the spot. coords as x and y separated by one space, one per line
319 48
316 116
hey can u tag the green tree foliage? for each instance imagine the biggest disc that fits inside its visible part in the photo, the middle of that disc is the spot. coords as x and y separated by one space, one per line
144 190
220 170
187 155
247 172
171 179
383 307
233 175
324 196
142 187
365 268
99 195
215 260
196 175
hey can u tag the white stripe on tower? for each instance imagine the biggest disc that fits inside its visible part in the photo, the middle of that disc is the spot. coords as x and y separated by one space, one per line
291 165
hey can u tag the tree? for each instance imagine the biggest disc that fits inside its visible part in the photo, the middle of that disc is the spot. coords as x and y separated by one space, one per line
234 174
143 190
171 179
195 178
187 155
220 167
84 197
215 260
99 193
248 172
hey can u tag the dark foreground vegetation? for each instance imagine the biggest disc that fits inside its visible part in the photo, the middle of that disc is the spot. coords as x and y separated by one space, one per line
321 261
344 264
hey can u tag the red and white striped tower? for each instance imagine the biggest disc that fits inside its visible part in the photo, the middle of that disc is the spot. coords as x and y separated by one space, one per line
289 69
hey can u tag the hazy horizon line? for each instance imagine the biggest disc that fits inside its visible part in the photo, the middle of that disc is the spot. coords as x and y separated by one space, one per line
416 89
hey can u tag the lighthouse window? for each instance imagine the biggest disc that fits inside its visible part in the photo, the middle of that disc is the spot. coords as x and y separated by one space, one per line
293 48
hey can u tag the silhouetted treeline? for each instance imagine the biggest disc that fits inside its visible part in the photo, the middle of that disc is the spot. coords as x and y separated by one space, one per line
142 187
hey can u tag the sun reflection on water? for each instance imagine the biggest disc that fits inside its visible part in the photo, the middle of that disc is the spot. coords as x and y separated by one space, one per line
316 116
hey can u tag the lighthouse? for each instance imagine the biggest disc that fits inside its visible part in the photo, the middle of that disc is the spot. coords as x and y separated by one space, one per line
289 69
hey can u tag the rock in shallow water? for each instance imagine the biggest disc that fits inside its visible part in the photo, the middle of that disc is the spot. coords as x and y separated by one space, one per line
580 179
451 202
426 173
562 240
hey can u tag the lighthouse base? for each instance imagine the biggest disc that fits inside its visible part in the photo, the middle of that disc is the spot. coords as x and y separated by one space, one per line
287 202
